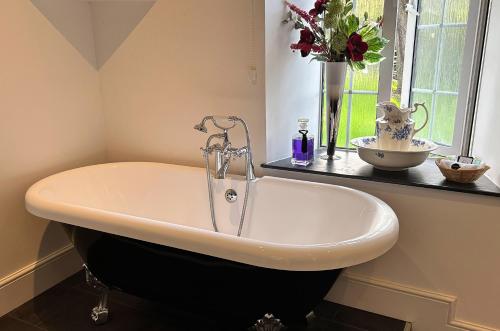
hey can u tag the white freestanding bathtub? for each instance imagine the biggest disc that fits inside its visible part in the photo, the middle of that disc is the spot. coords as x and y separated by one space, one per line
141 226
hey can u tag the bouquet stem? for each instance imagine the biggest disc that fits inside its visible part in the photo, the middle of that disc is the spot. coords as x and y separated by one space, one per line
335 74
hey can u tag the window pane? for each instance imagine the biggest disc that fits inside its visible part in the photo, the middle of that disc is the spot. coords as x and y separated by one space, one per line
363 107
456 11
430 11
367 81
362 120
419 116
374 8
348 77
363 115
426 55
451 59
444 119
342 137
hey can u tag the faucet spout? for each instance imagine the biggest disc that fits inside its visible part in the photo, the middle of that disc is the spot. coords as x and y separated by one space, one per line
222 162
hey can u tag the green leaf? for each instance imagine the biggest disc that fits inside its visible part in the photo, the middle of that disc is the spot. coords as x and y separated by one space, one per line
344 27
352 24
338 42
376 44
358 66
347 8
372 58
331 21
369 31
319 57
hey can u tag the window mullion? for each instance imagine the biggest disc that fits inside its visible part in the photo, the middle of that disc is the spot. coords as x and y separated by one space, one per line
475 38
386 66
444 25
428 91
361 92
411 31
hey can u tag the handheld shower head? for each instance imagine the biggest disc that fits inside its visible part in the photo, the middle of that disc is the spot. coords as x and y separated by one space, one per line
201 127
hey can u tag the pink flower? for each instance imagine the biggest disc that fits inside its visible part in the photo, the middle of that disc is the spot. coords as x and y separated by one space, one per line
356 47
304 15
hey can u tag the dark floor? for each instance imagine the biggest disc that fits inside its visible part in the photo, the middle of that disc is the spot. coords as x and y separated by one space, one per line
66 307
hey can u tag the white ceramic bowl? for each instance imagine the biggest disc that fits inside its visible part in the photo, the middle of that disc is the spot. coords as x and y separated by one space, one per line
370 152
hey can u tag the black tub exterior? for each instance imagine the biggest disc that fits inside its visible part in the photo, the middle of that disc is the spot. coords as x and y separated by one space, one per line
198 283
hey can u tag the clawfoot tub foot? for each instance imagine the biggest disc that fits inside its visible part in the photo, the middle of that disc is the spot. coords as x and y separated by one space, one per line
268 323
99 313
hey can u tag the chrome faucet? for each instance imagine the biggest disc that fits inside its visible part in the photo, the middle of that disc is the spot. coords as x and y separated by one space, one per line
225 153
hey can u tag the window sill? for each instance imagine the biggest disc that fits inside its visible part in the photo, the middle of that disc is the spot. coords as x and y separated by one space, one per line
351 166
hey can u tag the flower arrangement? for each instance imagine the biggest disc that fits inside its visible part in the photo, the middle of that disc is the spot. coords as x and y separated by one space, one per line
331 32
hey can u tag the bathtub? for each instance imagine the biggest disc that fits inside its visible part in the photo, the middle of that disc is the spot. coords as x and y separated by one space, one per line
145 228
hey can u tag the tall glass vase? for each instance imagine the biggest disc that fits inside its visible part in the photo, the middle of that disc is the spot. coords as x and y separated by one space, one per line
334 81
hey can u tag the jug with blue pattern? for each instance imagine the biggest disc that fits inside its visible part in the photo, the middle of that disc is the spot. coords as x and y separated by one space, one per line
396 129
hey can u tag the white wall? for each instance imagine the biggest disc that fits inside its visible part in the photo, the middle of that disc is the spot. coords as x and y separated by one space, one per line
185 60
487 132
50 120
292 83
443 272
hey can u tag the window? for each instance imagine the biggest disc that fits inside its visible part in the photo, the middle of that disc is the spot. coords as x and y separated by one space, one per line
361 92
436 46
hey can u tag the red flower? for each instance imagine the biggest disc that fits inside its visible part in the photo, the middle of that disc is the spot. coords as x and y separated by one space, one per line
306 41
319 8
306 36
356 47
307 48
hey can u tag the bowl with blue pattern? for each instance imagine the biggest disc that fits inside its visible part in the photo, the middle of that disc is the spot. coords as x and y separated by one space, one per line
370 151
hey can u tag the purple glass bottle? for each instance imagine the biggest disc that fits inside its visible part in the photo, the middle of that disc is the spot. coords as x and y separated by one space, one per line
303 145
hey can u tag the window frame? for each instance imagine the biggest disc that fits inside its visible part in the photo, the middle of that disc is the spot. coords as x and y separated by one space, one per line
473 48
469 77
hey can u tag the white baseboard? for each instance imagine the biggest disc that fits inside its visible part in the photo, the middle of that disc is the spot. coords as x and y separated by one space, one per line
424 309
35 278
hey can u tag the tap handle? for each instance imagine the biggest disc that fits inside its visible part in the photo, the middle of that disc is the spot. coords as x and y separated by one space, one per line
239 152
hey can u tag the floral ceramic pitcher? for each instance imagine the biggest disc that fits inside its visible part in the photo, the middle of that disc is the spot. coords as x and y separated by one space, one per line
396 129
